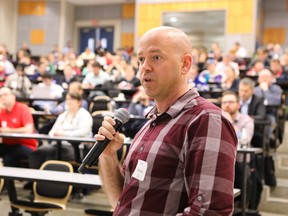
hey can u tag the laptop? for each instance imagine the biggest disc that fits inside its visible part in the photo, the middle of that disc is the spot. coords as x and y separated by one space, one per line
40 91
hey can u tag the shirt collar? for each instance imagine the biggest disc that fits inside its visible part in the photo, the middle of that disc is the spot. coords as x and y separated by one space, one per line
187 99
247 102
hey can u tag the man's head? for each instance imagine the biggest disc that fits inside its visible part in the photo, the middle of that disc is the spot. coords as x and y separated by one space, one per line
20 69
265 76
7 98
165 59
246 89
47 79
75 87
96 68
230 102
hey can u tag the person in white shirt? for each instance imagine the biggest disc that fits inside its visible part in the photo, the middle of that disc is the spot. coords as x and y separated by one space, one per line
74 122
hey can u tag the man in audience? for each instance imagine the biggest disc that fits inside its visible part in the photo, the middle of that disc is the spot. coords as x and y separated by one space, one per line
255 108
19 83
15 117
276 68
272 94
244 127
97 78
250 103
56 91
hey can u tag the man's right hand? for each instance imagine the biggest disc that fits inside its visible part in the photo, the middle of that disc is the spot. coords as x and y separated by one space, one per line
107 130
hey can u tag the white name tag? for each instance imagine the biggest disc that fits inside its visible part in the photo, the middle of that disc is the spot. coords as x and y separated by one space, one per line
140 170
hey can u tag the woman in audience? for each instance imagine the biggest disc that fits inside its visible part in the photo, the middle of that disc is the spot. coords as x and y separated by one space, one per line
74 122
230 81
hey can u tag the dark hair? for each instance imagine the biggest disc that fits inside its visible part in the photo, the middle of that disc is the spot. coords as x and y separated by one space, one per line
231 93
75 96
96 64
47 76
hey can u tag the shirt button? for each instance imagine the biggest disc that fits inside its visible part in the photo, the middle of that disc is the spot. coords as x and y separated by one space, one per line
200 198
154 124
141 149
118 203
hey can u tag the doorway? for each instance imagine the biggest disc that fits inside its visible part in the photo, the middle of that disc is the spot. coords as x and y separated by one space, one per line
90 36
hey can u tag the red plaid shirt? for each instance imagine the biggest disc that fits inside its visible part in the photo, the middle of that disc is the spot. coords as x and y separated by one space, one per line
190 151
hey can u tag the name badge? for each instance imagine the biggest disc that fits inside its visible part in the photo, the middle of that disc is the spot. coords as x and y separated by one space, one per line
140 170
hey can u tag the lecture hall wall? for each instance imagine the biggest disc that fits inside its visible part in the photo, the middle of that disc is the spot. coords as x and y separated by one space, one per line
44 23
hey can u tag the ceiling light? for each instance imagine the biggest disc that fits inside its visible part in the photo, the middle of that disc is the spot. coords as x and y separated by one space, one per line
173 19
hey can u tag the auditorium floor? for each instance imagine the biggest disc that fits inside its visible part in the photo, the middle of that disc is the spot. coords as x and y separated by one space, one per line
75 207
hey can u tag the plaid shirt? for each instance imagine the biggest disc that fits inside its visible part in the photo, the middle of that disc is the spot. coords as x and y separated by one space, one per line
190 151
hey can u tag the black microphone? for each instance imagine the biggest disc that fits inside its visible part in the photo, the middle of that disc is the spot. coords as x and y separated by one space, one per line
121 117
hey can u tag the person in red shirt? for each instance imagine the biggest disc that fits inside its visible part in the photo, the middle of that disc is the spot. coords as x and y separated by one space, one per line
15 117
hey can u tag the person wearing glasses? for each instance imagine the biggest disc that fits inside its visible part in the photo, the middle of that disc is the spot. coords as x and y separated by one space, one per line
15 117
244 127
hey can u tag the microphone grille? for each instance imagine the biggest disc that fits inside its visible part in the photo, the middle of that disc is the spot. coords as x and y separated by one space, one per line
122 115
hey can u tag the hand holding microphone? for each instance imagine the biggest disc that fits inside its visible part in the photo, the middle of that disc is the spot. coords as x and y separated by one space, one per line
120 118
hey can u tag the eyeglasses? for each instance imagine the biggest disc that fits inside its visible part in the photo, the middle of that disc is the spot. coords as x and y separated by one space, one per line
228 102
5 94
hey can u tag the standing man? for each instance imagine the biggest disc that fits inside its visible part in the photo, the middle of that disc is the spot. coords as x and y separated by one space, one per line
182 161
15 117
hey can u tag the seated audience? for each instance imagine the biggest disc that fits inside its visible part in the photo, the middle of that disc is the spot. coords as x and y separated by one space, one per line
74 122
257 67
272 94
277 69
19 83
15 117
195 81
129 79
244 127
250 103
69 75
230 81
56 91
97 78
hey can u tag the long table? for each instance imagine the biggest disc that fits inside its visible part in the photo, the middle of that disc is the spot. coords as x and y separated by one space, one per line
75 141
76 179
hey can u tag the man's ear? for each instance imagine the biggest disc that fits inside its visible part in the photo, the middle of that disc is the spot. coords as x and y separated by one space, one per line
186 63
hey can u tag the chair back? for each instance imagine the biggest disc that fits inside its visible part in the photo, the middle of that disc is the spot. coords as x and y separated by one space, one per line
98 103
98 117
54 193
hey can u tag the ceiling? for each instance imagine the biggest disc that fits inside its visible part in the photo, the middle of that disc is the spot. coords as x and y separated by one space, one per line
98 2
203 21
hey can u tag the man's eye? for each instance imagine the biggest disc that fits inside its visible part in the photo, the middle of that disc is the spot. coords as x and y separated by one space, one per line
141 60
156 57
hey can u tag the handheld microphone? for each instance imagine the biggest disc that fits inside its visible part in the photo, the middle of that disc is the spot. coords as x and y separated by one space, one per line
121 117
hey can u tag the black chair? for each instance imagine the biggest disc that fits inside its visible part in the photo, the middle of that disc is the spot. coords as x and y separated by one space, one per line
99 103
48 196
95 212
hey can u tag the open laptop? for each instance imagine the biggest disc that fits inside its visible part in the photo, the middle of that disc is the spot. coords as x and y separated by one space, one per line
40 91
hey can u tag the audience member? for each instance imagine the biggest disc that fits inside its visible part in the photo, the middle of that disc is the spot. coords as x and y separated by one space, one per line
74 122
244 127
15 117
56 91
19 83
129 79
276 69
230 80
250 104
97 78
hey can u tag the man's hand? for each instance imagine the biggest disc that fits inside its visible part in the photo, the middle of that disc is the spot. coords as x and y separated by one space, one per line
107 130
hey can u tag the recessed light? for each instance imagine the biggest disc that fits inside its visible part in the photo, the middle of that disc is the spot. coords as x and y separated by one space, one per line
173 19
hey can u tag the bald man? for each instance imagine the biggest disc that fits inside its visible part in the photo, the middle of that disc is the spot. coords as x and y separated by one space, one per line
182 160
15 117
